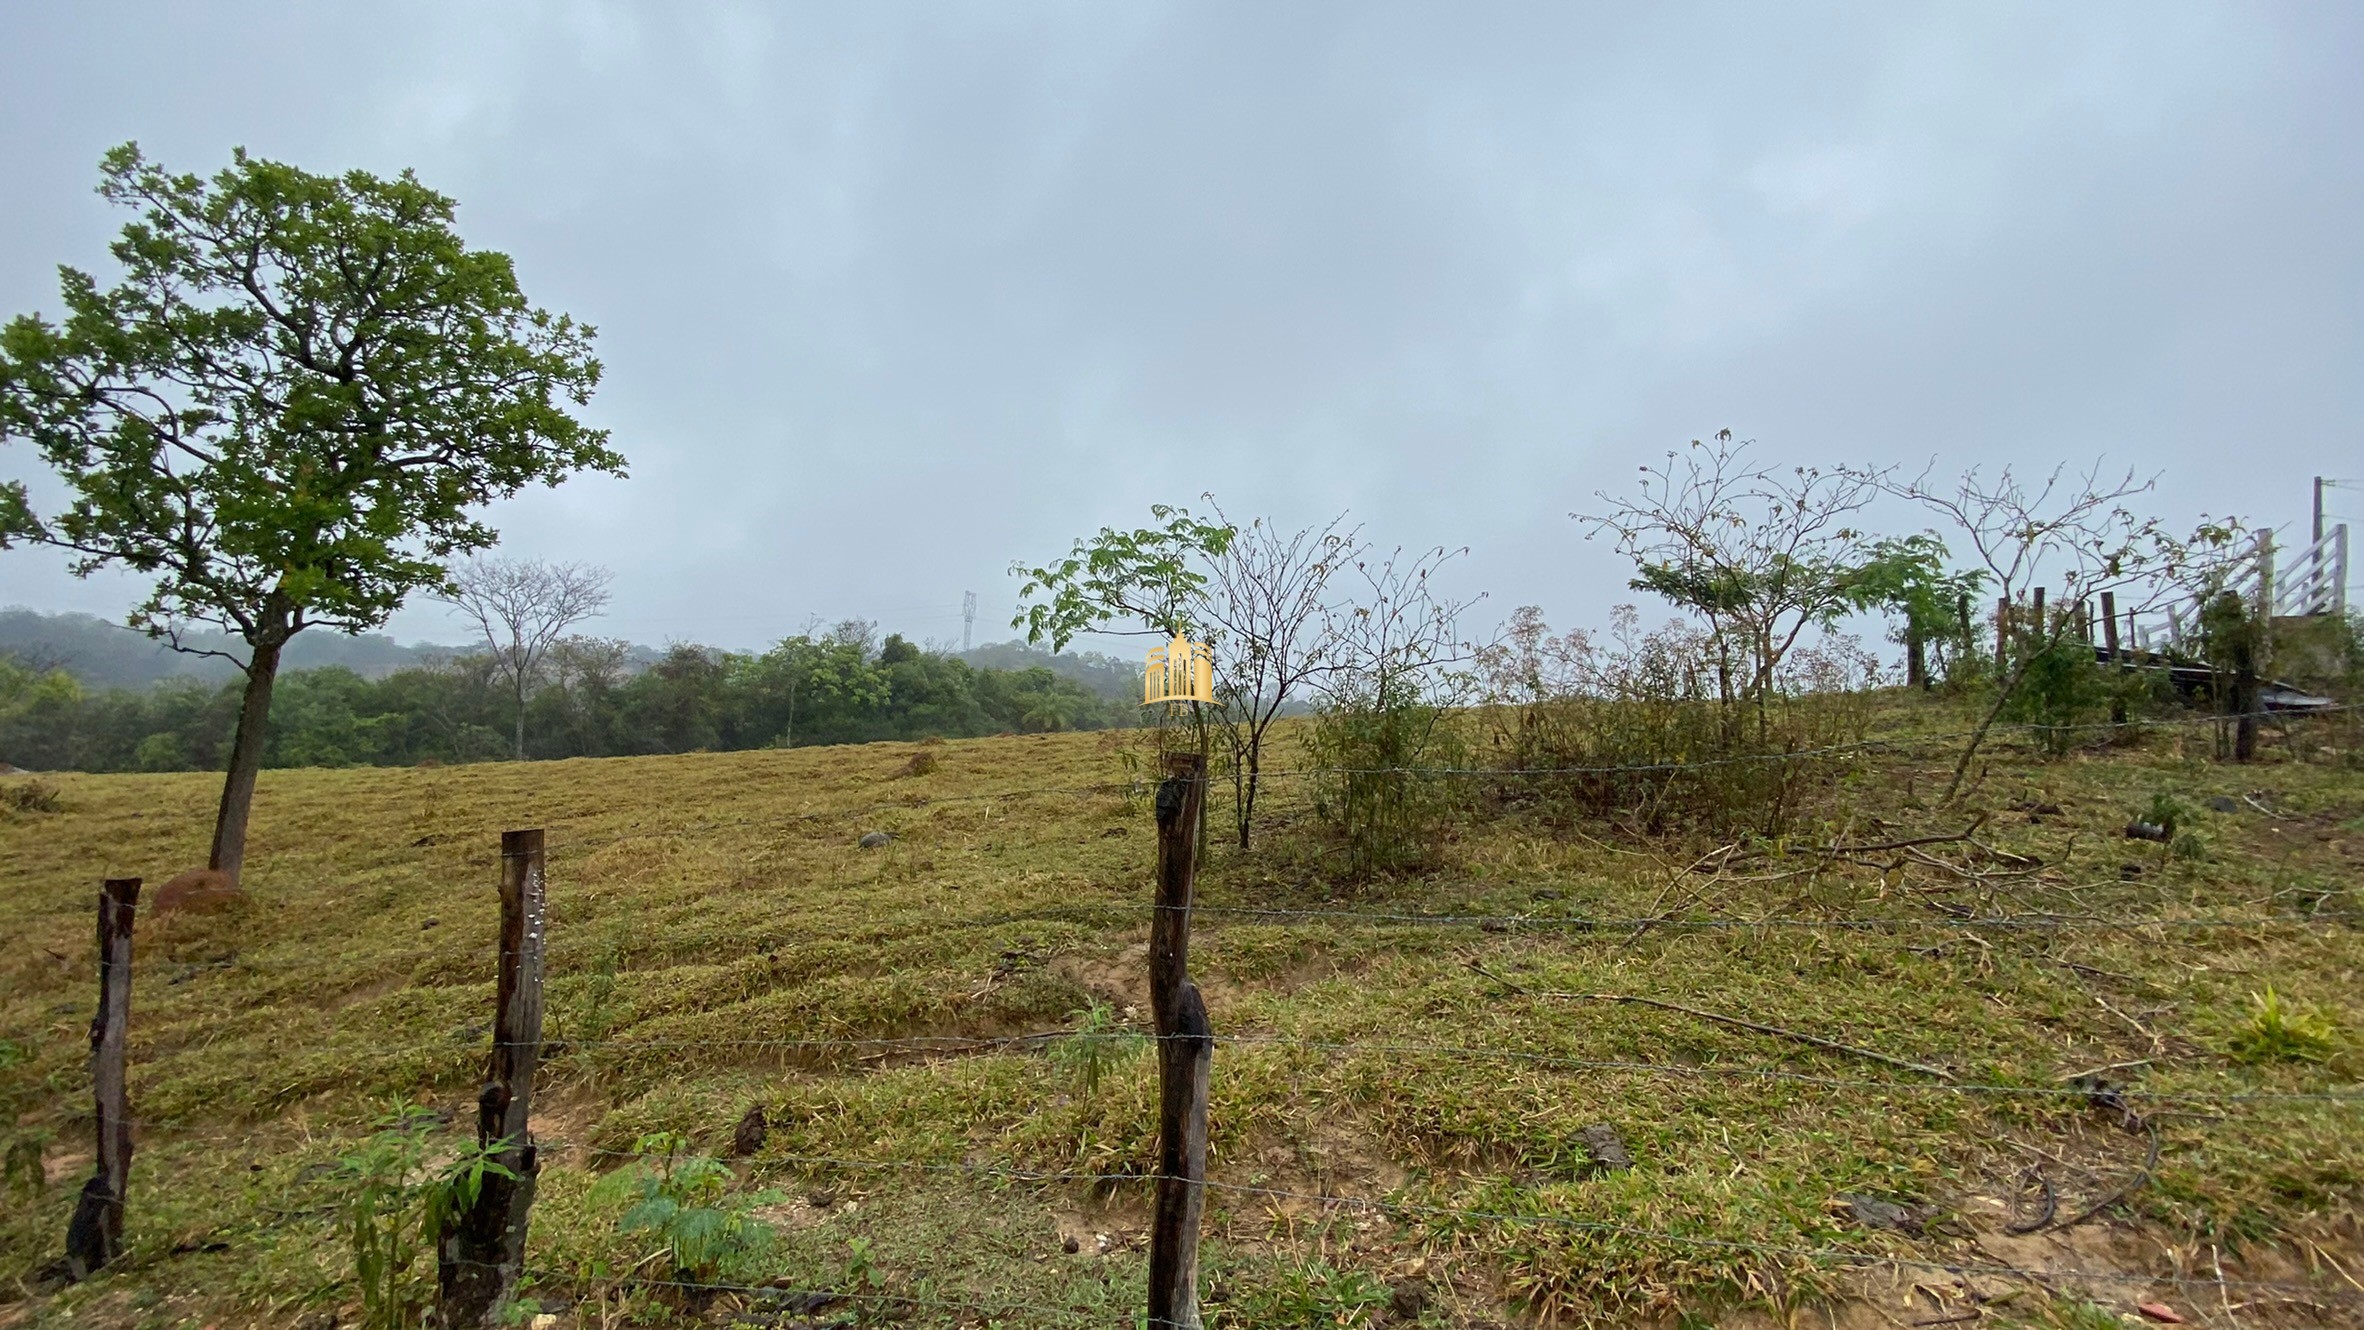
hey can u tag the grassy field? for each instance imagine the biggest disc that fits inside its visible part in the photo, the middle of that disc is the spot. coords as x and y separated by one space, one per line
1400 1104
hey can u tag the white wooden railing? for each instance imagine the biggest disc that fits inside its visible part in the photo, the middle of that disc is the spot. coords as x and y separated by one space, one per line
2309 581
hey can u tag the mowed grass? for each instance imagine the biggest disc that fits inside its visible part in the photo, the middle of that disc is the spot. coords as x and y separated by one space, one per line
1398 1106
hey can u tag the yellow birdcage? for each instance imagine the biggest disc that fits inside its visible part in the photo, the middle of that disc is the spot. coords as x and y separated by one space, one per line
1179 671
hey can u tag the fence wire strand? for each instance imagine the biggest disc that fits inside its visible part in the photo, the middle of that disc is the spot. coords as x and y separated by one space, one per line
1394 1208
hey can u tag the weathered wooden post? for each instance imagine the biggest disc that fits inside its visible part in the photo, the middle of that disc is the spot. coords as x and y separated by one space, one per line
94 1236
2109 640
2245 697
2262 658
1185 1051
478 1259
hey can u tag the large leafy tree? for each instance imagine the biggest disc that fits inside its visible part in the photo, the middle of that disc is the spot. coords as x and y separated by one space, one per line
289 411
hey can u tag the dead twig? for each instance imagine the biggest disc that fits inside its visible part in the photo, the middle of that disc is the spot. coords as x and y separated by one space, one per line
1778 1032
2157 1044
1660 912
2091 1072
1836 849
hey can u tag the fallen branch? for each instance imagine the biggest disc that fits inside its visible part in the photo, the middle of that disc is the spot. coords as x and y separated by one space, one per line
2051 1205
1778 1032
1660 913
1874 847
2133 1185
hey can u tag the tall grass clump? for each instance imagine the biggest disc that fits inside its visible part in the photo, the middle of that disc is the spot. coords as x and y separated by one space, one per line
1390 775
1387 744
1636 728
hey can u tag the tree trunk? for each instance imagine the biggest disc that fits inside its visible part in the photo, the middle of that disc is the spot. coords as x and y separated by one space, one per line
246 760
521 718
2245 703
1247 793
1916 658
1978 736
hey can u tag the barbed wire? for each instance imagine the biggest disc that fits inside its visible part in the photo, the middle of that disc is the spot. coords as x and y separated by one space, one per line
1136 785
1395 1208
554 1049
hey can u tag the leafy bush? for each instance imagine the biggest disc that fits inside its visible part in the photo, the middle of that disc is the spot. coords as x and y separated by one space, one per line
2064 687
394 1206
2167 811
1638 728
1382 754
680 1200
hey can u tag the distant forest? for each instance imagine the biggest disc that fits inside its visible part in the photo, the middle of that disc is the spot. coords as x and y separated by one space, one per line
77 693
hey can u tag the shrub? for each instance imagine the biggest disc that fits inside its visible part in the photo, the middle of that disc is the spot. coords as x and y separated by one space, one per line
681 1201
29 796
2167 811
2064 687
1639 729
394 1206
1098 1046
1384 758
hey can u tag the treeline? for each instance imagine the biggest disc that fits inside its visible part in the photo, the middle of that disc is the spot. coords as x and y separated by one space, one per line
591 701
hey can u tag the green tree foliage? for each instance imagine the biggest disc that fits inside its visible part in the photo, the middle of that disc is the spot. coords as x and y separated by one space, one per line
1906 577
1762 555
1151 577
289 411
588 706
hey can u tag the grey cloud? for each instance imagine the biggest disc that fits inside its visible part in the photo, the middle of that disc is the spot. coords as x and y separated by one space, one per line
892 295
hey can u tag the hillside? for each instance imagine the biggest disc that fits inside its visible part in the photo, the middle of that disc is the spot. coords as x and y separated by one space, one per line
100 654
2012 1024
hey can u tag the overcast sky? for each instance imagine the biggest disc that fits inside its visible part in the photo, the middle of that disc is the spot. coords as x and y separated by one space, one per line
890 296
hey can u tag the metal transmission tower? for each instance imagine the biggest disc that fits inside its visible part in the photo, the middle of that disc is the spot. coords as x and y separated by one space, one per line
968 618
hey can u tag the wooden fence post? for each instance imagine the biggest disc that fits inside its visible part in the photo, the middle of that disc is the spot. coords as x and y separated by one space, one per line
1185 1052
2245 699
2109 641
479 1258
95 1234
